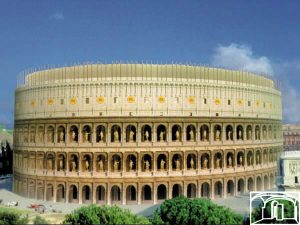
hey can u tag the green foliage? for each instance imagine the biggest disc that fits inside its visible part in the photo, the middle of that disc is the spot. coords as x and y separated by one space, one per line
40 220
181 210
8 217
93 214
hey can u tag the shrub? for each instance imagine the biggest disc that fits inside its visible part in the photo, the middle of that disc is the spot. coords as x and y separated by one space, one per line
40 220
93 214
8 217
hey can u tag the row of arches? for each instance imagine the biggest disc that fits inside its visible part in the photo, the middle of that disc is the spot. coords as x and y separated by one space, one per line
143 161
163 132
141 193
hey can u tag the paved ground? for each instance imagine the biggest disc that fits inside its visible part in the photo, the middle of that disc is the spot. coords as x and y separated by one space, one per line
239 204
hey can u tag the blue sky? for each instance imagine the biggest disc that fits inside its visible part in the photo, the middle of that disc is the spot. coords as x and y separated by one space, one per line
262 36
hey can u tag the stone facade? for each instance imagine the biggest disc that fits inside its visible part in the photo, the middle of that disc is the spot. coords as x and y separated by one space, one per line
291 136
133 134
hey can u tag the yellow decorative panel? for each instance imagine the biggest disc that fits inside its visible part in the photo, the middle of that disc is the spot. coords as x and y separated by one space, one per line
50 101
161 99
191 99
240 102
100 100
73 101
130 99
257 103
32 103
218 101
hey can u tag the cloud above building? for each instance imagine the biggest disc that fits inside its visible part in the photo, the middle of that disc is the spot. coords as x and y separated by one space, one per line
57 16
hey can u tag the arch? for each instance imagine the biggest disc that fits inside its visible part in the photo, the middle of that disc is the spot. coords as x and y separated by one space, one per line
32 134
265 156
191 161
131 163
258 184
229 133
230 188
115 194
241 186
161 192
101 164
50 134
73 134
73 163
162 164
270 132
86 134
61 162
190 133
176 133
191 190
146 193
100 194
40 134
257 132
264 130
100 134
86 163
249 158
239 132
161 133
130 133
86 194
258 157
49 192
218 160
50 161
146 162
146 133
218 189
205 190
60 193
229 160
116 163
249 132
176 190
131 194
217 133
205 161
73 194
177 162
204 133
116 133
266 182
250 185
61 132
40 191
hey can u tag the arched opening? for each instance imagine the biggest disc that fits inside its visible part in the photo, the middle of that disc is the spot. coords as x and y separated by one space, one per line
100 134
218 160
50 161
147 162
217 133
240 132
250 184
61 132
230 188
191 162
86 163
73 163
176 190
40 191
177 162
146 133
204 133
270 155
86 194
32 135
100 194
162 162
73 134
205 192
265 156
73 194
61 162
176 133
264 129
116 163
86 134
205 164
258 158
50 134
266 182
241 185
161 133
229 133
131 163
115 194
131 194
60 193
258 184
161 192
249 158
229 160
101 163
40 134
115 133
130 133
270 132
146 193
257 132
191 191
218 189
249 132
190 133
49 192
240 159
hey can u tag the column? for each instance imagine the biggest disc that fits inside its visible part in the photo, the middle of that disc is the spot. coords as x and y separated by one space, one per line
139 194
154 193
108 194
55 192
225 188
94 193
123 194
79 194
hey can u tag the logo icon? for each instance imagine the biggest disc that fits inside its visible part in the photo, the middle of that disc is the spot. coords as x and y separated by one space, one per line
274 208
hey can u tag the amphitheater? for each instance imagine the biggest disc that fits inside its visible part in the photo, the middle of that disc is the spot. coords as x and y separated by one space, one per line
143 133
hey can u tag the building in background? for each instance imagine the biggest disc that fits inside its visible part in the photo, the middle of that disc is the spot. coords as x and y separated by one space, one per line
136 133
6 154
291 137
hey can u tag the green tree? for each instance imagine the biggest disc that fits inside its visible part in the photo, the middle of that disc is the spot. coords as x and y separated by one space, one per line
181 210
8 217
93 214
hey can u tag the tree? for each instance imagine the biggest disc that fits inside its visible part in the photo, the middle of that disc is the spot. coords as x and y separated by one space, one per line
181 210
8 217
93 214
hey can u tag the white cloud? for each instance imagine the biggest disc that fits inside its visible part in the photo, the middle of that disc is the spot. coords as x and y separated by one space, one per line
57 16
241 57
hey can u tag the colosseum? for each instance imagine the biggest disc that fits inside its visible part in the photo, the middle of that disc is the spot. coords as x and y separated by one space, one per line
143 133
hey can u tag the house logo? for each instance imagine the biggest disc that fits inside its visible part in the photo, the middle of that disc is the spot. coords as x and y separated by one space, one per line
274 208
